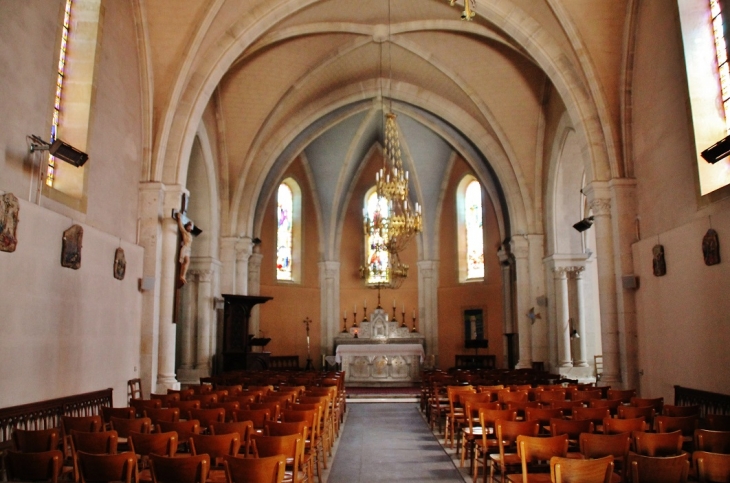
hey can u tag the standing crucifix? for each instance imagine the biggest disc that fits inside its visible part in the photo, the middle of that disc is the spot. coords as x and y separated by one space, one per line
309 366
187 231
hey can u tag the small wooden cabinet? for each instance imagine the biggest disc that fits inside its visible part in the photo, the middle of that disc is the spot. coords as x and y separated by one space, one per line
235 350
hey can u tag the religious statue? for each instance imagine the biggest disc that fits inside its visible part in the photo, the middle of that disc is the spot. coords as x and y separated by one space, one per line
120 264
71 247
9 209
711 248
185 247
659 264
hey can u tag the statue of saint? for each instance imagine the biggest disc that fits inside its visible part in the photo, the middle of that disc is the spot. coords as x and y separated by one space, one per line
185 245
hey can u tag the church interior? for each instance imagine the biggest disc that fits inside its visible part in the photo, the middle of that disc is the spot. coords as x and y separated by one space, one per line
557 111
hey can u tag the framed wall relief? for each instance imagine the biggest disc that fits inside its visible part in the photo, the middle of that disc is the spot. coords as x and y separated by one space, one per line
711 248
9 209
71 249
659 264
120 264
474 329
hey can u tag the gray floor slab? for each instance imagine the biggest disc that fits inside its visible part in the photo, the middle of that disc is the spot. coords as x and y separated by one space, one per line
384 442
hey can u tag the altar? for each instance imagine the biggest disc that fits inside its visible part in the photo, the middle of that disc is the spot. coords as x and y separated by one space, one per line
380 352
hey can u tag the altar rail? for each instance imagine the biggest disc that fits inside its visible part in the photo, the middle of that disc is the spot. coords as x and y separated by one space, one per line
284 363
709 402
47 414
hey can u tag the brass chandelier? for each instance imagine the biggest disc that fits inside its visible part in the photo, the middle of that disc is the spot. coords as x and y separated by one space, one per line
469 8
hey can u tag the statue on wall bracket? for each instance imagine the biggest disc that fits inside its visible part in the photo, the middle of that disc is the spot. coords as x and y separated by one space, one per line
71 249
711 248
9 209
659 263
120 264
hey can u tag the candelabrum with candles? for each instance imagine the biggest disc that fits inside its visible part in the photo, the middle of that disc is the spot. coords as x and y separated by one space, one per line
414 322
344 323
354 317
403 318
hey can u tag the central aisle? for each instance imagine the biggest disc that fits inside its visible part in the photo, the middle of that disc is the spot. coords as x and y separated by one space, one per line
389 442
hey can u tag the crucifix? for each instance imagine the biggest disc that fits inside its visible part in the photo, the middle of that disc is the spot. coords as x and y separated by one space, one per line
309 366
187 230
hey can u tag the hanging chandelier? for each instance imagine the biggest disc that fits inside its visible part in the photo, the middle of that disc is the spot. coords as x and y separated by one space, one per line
389 275
469 8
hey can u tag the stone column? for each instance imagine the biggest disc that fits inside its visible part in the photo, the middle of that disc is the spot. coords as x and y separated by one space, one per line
427 316
508 322
563 317
579 360
187 329
205 306
329 283
520 250
168 285
600 203
228 264
254 288
244 249
538 327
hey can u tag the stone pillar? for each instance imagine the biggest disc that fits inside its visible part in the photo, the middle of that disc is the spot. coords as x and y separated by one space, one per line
205 306
329 283
254 288
508 322
520 250
228 264
187 329
600 203
427 316
244 249
563 317
539 330
168 285
579 359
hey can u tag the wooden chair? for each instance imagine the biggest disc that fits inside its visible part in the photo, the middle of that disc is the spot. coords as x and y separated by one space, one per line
507 433
256 416
713 441
685 424
313 445
104 442
278 428
144 445
649 469
134 388
671 410
572 428
624 395
141 404
597 415
471 435
269 469
169 415
166 398
183 393
488 443
571 470
512 396
243 428
124 427
566 406
184 429
243 399
711 467
41 466
78 423
631 412
717 422
655 402
208 416
201 388
611 404
166 469
107 467
185 406
658 444
616 426
455 414
36 441
215 446
273 407
205 399
543 416
534 451
233 390
289 446
229 406
550 396
586 395
602 445
121 413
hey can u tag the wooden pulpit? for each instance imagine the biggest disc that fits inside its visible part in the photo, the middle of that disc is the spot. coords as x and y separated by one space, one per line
235 348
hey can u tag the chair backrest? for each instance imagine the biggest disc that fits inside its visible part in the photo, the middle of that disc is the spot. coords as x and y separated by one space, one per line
36 441
600 445
107 467
208 416
156 443
654 402
141 404
215 446
201 388
671 410
611 404
508 431
205 399
125 426
686 424
268 469
615 426
573 470
512 396
243 428
42 466
586 395
229 406
81 423
549 396
597 415
256 416
167 469
167 398
274 428
95 443
291 446
713 441
623 395
273 407
184 393
233 390
711 467
658 444
122 413
566 406
184 429
632 412
717 422
648 469
164 414
573 428
185 405
544 415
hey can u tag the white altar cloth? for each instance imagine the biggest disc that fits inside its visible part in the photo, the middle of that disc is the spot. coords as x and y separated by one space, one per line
379 349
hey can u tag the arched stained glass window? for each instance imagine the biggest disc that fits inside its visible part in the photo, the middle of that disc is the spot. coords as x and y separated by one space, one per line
474 231
284 232
377 259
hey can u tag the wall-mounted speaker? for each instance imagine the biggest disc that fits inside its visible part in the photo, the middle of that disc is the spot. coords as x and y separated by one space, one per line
630 282
717 151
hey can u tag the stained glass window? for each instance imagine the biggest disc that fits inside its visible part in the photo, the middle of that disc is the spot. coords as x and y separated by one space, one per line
474 231
51 171
377 257
284 233
718 29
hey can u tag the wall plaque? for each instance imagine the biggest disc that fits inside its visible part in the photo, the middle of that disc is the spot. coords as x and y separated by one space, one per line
71 249
9 209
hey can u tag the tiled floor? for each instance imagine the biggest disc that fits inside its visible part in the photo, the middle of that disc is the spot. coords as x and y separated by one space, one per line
388 442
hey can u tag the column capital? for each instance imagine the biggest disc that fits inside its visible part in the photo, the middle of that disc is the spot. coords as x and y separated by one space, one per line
519 246
243 247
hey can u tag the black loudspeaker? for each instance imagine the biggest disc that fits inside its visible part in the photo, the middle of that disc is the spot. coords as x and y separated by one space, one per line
68 153
717 151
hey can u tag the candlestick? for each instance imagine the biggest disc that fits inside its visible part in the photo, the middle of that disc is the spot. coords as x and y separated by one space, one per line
393 305
414 322
403 319
394 319
364 314
354 318
404 309
344 323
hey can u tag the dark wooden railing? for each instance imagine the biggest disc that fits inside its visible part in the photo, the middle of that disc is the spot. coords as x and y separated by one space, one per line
47 414
285 363
709 402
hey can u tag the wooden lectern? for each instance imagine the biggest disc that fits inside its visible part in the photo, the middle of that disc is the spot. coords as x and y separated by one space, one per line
236 350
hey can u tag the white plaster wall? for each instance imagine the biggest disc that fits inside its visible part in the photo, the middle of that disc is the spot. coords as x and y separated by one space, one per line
683 317
65 331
